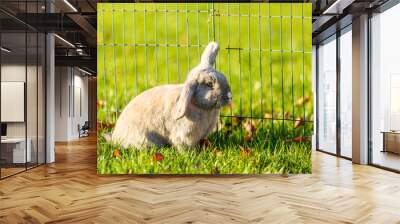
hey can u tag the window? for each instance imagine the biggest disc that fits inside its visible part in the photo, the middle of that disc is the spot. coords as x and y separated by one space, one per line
327 95
346 92
22 78
394 102
385 89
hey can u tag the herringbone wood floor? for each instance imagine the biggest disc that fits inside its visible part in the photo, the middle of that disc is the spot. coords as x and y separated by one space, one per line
69 191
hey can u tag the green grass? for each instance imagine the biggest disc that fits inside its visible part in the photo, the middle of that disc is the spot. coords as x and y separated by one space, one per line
269 76
228 153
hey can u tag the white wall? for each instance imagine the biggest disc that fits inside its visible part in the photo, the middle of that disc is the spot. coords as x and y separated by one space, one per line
62 81
34 126
80 93
16 72
12 73
70 83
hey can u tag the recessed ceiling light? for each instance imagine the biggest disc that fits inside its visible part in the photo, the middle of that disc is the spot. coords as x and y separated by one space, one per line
64 40
84 71
70 5
338 6
5 50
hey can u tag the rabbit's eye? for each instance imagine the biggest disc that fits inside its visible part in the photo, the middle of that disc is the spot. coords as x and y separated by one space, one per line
210 84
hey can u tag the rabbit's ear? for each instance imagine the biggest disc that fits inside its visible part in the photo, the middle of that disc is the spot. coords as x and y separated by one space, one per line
209 54
184 99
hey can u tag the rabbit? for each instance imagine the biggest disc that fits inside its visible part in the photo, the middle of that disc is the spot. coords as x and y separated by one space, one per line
176 115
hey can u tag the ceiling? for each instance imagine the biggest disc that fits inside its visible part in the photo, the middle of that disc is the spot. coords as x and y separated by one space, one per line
329 16
75 21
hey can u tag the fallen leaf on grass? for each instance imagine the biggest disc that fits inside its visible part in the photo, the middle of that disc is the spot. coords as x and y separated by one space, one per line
267 116
299 122
245 152
117 154
302 101
205 142
217 152
249 126
237 120
215 170
158 156
227 124
288 115
301 139
101 103
248 138
228 133
104 125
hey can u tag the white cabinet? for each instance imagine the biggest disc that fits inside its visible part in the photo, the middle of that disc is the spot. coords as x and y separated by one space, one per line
16 148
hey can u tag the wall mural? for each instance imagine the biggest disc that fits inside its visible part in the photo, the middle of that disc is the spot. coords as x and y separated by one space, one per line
204 88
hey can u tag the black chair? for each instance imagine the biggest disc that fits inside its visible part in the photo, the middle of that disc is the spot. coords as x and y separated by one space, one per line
84 130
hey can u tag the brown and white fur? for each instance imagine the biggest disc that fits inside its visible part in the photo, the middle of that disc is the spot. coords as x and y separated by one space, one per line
179 115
